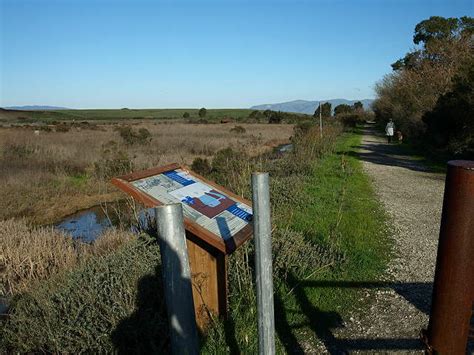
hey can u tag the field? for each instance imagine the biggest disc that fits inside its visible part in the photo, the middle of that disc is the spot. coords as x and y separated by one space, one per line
52 173
119 114
322 232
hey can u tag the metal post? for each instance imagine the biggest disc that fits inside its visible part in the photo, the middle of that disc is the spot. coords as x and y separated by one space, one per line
177 279
453 290
320 121
263 261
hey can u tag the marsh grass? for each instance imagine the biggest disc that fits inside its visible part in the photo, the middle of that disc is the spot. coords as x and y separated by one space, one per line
44 177
30 254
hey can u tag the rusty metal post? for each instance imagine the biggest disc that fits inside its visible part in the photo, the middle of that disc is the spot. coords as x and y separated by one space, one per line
453 291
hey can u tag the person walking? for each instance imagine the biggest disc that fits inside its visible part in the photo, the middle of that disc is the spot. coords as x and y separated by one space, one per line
389 130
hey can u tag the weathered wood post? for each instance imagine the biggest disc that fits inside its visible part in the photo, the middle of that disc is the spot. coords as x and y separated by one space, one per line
263 263
177 279
453 291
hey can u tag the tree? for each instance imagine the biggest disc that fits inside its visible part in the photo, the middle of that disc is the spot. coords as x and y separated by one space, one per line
202 112
436 27
186 115
325 110
342 108
450 124
424 74
358 106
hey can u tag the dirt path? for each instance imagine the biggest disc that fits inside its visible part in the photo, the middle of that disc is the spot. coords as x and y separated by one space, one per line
412 196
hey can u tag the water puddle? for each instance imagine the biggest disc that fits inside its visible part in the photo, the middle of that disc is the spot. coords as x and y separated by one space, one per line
87 225
284 148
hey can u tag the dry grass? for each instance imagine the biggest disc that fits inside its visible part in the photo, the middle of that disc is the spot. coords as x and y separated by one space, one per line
44 177
29 254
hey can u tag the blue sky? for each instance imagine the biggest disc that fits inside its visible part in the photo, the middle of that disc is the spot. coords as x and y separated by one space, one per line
112 54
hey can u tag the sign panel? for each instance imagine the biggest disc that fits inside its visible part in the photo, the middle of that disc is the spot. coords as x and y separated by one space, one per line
203 204
211 212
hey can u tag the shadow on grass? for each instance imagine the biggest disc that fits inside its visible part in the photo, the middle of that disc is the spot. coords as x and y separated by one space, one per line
146 329
322 323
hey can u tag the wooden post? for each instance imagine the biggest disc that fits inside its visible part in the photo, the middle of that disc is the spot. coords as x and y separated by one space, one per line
263 263
209 279
177 279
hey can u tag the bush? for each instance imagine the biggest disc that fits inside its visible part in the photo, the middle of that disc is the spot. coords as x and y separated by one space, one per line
350 119
62 128
113 162
186 115
201 166
95 308
131 136
302 128
238 130
202 112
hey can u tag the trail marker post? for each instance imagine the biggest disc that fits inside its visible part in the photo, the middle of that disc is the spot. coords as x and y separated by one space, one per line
320 121
217 222
263 263
453 290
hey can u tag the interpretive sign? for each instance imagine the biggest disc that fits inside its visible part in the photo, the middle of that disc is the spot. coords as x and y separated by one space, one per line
211 212
216 220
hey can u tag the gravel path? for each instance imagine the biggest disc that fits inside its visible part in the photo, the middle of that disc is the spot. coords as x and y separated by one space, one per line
412 197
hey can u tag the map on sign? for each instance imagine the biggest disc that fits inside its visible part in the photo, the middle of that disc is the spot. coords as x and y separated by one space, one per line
203 204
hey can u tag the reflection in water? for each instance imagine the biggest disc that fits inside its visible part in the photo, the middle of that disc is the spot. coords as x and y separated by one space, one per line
87 225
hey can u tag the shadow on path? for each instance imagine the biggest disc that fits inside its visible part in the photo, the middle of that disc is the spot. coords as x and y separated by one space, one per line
322 322
378 151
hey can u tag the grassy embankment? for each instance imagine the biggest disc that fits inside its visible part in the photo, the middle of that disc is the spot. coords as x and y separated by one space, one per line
328 227
340 235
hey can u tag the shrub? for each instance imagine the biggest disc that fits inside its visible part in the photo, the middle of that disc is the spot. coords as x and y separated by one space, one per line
186 115
110 304
201 166
350 119
202 112
302 128
131 136
62 128
238 130
113 162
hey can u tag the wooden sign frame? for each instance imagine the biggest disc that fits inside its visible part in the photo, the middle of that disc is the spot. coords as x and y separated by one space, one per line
225 246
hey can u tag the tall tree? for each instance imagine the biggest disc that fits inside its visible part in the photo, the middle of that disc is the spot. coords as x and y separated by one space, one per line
358 106
424 74
342 108
325 110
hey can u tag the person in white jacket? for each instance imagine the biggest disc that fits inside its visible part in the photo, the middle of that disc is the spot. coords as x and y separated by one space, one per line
389 130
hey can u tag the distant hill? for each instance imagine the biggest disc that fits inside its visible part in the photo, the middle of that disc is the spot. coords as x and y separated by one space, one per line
36 108
308 107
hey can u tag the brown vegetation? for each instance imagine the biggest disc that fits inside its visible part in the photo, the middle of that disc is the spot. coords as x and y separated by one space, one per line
29 254
51 174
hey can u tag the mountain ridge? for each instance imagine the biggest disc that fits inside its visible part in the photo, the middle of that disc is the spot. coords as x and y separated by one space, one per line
35 108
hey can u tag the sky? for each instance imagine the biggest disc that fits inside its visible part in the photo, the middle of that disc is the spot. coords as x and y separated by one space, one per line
214 54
